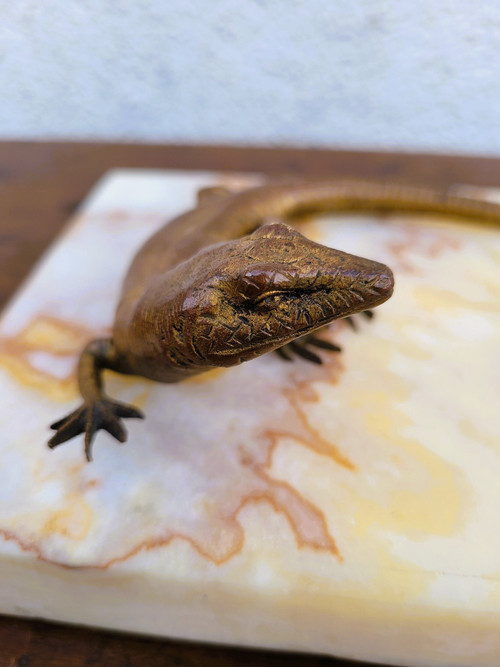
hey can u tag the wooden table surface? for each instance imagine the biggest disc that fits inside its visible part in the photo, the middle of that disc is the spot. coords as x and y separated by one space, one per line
41 184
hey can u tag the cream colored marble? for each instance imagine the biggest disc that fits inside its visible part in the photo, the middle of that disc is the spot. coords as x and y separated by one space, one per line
350 509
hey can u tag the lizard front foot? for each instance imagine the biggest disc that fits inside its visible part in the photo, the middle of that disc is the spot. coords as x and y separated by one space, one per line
89 418
351 321
301 347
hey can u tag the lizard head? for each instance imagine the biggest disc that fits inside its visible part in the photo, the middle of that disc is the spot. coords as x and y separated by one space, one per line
255 294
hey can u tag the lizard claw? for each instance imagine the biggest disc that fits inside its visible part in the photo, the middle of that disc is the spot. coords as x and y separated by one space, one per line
369 314
89 418
301 348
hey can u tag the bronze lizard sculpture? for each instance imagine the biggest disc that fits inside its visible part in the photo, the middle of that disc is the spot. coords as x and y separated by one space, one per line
230 280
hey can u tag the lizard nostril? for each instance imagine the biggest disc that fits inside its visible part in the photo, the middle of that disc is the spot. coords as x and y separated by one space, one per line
385 282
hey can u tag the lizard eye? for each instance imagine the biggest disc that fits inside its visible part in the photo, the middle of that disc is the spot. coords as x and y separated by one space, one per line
269 301
254 282
261 279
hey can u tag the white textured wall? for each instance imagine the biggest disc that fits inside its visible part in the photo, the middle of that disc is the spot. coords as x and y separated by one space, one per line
379 73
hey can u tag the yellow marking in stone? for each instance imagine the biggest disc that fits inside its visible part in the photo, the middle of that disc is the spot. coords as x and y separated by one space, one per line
476 434
73 521
435 504
431 298
209 376
27 375
47 334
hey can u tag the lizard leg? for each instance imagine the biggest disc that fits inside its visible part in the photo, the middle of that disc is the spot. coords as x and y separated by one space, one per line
98 410
301 347
351 321
206 195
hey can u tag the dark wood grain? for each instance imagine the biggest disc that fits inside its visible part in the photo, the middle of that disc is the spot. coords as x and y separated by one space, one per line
41 184
38 644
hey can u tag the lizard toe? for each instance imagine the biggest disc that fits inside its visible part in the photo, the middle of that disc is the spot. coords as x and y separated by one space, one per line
90 418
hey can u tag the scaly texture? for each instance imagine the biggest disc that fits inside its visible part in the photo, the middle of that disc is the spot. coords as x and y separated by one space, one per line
230 280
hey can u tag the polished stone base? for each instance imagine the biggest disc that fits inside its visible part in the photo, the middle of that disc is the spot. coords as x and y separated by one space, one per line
349 509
